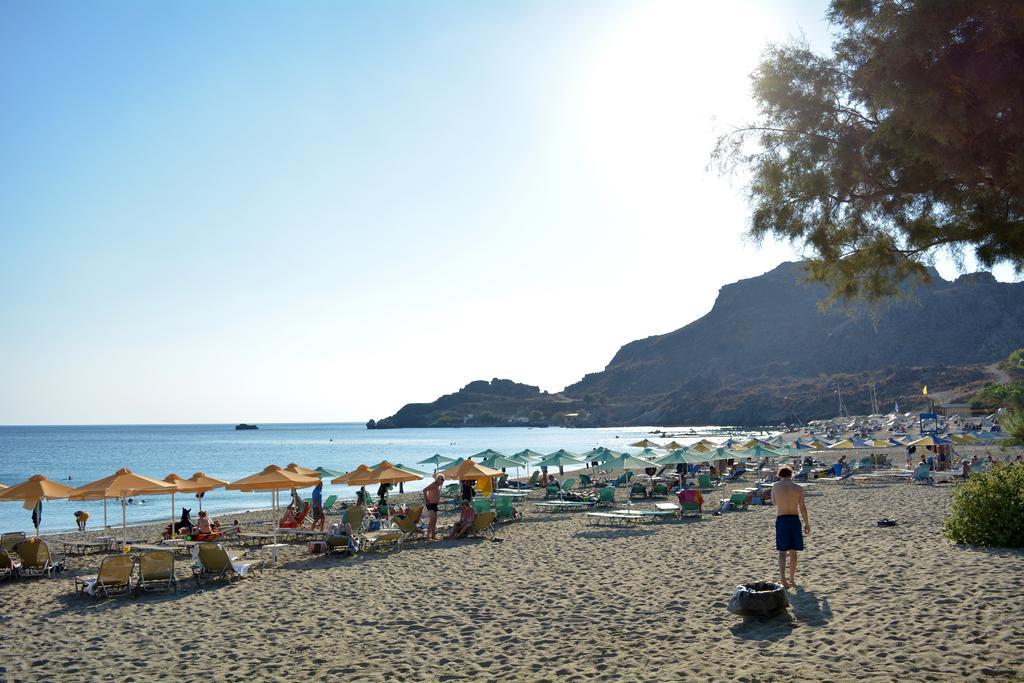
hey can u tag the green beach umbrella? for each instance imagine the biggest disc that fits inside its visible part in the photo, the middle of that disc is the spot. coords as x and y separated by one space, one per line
325 472
437 460
560 459
680 455
627 462
479 457
648 454
410 470
525 456
599 454
499 461
760 451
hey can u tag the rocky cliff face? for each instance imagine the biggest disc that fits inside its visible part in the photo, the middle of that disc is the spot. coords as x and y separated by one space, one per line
765 353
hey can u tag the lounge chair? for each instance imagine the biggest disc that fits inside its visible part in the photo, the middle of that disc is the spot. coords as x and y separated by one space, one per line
606 497
504 509
659 491
410 524
215 563
355 516
382 541
638 490
586 482
567 485
36 558
738 501
10 540
534 479
114 578
739 472
552 491
689 503
10 564
156 571
481 505
482 524
922 475
705 483
329 504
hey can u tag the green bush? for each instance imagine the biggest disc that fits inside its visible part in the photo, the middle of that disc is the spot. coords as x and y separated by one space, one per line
999 395
988 509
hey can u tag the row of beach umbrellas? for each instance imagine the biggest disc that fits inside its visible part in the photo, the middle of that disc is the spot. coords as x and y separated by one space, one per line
486 464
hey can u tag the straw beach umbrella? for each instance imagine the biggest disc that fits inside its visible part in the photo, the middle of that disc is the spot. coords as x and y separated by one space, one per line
32 492
120 484
645 443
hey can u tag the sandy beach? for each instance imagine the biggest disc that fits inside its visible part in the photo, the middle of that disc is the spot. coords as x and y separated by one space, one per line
557 599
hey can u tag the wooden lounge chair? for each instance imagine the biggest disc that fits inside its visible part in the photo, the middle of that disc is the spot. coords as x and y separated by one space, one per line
606 497
156 571
36 558
215 563
114 578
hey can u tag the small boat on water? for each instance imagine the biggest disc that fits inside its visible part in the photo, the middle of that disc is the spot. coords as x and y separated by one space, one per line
242 426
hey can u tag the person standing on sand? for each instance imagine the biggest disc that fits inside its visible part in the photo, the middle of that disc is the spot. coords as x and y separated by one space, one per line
318 506
790 505
431 499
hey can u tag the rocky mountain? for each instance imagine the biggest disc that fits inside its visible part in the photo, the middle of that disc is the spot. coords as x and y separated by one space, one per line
766 353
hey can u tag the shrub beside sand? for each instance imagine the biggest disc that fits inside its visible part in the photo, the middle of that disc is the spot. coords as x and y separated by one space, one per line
988 509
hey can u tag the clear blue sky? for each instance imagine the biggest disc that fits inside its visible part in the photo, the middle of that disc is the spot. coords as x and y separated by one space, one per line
305 211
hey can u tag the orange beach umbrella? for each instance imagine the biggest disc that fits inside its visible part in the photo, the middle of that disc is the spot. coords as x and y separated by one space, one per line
203 484
470 471
120 484
272 478
33 491
349 476
304 471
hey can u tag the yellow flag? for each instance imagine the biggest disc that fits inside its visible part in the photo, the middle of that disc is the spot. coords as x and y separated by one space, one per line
924 391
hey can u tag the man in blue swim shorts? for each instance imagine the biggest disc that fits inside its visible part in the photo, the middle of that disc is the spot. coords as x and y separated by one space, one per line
788 498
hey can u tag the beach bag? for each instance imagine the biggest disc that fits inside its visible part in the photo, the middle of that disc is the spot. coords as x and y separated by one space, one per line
759 599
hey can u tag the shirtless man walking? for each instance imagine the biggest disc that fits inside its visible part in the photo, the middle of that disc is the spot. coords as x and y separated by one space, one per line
431 499
788 498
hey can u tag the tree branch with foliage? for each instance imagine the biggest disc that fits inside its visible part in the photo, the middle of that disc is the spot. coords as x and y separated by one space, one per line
907 140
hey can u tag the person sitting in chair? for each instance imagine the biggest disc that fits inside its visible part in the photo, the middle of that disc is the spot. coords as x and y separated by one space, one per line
205 530
465 523
293 519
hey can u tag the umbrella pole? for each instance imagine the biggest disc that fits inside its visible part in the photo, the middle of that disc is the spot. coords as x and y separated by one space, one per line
105 525
124 523
173 535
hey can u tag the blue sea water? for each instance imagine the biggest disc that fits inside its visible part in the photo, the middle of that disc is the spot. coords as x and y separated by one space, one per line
76 455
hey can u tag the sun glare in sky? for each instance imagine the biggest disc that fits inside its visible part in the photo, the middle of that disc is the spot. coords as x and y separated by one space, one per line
319 211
